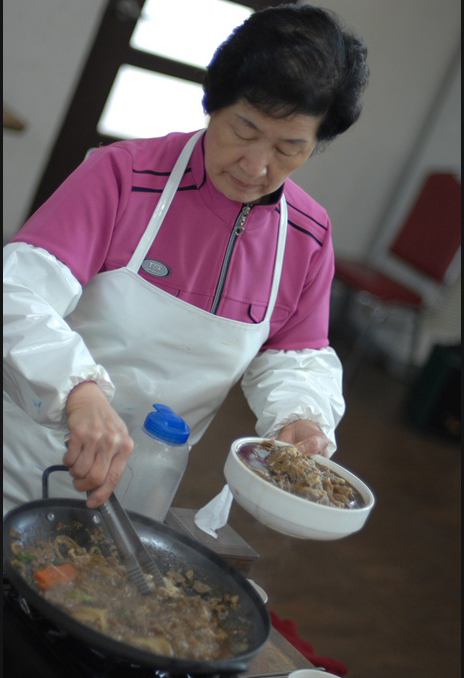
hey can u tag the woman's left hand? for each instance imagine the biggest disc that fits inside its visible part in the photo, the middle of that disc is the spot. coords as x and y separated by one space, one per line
306 436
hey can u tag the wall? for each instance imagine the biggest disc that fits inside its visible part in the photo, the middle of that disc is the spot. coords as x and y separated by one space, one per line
45 45
411 44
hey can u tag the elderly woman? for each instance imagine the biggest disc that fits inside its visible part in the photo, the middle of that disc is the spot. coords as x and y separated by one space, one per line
167 269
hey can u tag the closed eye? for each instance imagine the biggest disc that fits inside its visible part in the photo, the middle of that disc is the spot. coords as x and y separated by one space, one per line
243 138
285 154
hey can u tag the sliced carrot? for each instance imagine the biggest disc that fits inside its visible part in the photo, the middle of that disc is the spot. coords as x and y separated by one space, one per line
54 575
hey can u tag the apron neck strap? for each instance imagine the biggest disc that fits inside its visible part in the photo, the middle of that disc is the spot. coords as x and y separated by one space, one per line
278 258
163 204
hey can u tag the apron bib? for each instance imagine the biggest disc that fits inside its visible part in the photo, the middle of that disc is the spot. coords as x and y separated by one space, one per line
155 347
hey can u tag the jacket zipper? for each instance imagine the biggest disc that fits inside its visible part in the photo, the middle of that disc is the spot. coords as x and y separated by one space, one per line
237 230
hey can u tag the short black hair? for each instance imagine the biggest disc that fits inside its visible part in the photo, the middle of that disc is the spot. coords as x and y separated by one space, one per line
290 60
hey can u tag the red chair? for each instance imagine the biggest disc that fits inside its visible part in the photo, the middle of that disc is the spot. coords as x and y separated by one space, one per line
427 244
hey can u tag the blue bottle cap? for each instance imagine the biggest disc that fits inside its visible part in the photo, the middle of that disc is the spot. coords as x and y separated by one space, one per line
166 425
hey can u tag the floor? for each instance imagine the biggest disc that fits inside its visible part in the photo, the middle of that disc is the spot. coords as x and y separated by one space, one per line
385 601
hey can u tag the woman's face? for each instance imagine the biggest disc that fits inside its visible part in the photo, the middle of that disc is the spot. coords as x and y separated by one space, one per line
249 155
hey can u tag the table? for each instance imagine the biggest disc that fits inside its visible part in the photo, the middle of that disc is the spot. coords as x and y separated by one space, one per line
277 658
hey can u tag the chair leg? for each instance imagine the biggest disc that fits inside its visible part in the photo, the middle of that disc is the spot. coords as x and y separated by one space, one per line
339 321
360 348
416 330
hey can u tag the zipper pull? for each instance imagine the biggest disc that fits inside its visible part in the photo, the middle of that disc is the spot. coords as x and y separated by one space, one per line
240 223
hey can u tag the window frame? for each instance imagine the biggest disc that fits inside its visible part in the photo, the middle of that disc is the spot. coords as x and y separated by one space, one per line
109 51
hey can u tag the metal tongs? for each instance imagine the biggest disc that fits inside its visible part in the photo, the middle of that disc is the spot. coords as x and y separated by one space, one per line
134 555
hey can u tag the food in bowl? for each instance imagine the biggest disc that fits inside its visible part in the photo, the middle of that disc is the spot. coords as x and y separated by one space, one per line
291 470
184 619
287 512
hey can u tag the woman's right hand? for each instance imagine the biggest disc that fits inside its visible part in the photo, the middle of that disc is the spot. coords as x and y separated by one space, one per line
99 444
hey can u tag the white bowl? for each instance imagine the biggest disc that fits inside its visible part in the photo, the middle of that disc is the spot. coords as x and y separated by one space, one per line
288 513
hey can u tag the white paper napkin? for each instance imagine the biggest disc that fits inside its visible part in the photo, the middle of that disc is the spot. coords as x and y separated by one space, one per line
215 513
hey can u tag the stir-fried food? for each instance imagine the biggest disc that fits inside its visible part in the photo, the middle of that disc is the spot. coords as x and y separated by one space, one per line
295 472
183 619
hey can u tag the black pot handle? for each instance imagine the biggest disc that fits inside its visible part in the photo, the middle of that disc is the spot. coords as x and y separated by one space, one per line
46 473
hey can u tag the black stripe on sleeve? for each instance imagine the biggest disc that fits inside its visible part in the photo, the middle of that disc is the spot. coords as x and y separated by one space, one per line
158 174
142 189
307 216
303 230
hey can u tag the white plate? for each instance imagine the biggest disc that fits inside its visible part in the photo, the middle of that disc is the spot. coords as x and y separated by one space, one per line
311 673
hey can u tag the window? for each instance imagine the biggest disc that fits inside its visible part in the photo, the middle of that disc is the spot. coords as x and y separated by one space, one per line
166 28
143 103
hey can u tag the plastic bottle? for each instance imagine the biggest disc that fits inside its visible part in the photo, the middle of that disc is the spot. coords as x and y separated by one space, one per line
156 465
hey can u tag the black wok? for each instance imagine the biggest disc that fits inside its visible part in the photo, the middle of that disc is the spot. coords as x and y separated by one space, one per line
38 520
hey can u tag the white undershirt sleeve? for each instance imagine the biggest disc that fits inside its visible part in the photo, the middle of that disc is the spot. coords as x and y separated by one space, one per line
43 359
284 386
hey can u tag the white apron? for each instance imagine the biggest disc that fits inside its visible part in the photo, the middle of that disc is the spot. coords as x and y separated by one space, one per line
155 347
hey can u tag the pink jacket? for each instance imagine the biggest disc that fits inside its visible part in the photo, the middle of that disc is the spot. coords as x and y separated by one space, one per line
94 220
